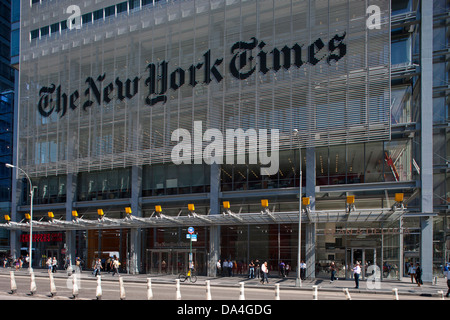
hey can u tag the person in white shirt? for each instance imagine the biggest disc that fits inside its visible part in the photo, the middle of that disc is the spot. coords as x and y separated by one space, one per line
265 272
219 267
357 273
303 270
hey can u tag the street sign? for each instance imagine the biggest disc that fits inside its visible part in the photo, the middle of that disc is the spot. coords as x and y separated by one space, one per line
193 237
191 230
188 236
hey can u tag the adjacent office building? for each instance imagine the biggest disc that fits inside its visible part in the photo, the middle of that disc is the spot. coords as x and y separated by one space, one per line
138 119
6 116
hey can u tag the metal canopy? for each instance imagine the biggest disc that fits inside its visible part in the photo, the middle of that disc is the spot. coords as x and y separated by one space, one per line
229 218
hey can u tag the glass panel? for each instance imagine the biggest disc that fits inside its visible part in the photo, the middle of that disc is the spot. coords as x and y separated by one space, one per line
400 6
397 157
355 167
337 165
401 104
322 166
401 51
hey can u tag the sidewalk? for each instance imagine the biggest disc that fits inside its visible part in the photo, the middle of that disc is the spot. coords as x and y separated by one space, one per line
404 285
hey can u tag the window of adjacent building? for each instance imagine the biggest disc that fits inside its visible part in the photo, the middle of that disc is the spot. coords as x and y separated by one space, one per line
34 34
54 28
440 38
110 11
401 6
401 51
122 7
401 104
98 14
440 74
440 110
86 18
63 25
15 42
45 31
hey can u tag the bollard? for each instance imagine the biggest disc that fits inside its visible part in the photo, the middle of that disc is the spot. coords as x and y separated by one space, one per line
177 286
98 292
13 282
277 291
149 289
208 290
395 292
315 293
121 289
52 284
347 294
33 283
241 294
441 294
74 286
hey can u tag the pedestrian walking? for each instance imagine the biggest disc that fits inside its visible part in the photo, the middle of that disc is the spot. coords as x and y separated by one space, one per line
98 267
447 275
78 264
418 274
49 264
116 265
18 262
332 272
54 264
288 268
257 268
356 274
264 273
251 270
302 270
412 272
282 267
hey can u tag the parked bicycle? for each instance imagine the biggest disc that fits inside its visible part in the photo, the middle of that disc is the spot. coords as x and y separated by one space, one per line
189 275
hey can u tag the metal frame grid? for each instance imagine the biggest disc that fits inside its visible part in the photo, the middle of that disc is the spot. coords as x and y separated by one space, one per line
338 101
226 218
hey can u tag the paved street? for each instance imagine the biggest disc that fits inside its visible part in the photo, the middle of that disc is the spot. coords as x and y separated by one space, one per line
226 288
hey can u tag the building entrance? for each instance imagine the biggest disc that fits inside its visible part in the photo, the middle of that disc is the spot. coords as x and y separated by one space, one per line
173 261
366 256
51 253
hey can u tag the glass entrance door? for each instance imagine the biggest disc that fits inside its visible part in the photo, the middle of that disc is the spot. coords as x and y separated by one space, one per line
168 261
366 257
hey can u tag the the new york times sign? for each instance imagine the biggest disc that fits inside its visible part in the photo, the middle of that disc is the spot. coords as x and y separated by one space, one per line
159 78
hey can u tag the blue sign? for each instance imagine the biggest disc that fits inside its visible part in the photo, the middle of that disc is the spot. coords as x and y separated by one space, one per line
191 230
194 237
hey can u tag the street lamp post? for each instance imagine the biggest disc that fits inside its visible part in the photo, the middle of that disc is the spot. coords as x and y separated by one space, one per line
31 213
298 280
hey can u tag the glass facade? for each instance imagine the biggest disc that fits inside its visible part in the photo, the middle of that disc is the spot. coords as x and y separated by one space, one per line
100 104
238 70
